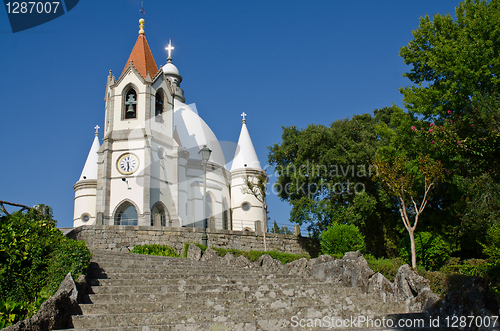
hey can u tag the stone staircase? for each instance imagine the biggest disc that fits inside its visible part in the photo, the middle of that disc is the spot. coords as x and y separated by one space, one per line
146 293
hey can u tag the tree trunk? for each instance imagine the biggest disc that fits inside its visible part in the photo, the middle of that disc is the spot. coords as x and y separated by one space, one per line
413 254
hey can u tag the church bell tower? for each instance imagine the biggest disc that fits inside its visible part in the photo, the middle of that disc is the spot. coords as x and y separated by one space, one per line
135 179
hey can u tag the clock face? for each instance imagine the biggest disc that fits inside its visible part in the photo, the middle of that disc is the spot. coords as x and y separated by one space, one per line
127 164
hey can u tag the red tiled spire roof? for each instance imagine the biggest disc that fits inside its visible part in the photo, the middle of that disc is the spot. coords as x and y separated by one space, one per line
141 56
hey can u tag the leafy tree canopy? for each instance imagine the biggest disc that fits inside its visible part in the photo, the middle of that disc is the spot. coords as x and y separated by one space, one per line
453 61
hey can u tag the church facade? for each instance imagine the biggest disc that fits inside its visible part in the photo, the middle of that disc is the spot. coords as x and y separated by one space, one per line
148 172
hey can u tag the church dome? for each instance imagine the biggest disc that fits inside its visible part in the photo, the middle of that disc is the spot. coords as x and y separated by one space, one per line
170 69
194 133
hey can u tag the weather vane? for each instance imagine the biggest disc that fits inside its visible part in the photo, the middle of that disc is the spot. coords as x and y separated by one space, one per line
142 11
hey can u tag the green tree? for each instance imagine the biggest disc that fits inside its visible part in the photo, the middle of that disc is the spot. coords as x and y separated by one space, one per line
455 66
453 61
411 182
325 174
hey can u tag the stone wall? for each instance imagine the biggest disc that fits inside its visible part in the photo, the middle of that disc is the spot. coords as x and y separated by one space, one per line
124 238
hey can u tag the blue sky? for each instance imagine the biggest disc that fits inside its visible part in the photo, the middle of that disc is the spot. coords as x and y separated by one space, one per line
282 62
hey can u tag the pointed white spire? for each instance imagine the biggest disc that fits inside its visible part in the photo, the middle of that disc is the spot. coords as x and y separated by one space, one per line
90 168
245 156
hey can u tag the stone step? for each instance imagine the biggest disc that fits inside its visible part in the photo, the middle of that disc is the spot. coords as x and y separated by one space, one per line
262 294
321 295
214 315
190 276
178 271
103 268
214 303
296 286
160 264
197 280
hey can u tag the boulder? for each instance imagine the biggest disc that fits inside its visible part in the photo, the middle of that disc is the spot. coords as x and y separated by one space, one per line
357 272
328 271
54 313
210 255
408 284
228 259
352 270
424 301
268 263
352 255
83 290
379 284
297 267
242 262
194 252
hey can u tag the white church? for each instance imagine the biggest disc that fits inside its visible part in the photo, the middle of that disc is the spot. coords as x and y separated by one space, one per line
148 171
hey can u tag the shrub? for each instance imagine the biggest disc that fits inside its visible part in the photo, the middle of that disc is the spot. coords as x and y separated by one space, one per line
34 258
492 246
158 250
431 250
387 267
342 238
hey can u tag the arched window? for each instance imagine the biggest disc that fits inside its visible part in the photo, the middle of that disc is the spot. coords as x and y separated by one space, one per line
126 214
130 104
225 215
159 106
159 215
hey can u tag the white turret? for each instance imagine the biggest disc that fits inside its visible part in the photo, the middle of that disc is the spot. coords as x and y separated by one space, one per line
246 208
86 187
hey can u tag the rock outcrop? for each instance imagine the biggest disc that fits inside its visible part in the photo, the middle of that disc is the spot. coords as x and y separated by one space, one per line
194 253
351 271
55 313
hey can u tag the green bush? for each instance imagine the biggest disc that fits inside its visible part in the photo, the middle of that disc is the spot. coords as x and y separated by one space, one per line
387 267
70 256
431 249
492 246
159 250
34 258
341 238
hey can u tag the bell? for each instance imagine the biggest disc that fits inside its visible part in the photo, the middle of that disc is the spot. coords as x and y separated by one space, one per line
130 110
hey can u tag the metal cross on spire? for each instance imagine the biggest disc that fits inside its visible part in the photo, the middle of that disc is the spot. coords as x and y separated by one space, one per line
243 115
97 130
169 48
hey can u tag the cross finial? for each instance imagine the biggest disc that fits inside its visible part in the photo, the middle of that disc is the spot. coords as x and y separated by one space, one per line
169 49
97 130
243 115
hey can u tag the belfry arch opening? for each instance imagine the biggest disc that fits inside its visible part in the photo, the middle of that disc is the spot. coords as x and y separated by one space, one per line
159 106
130 104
